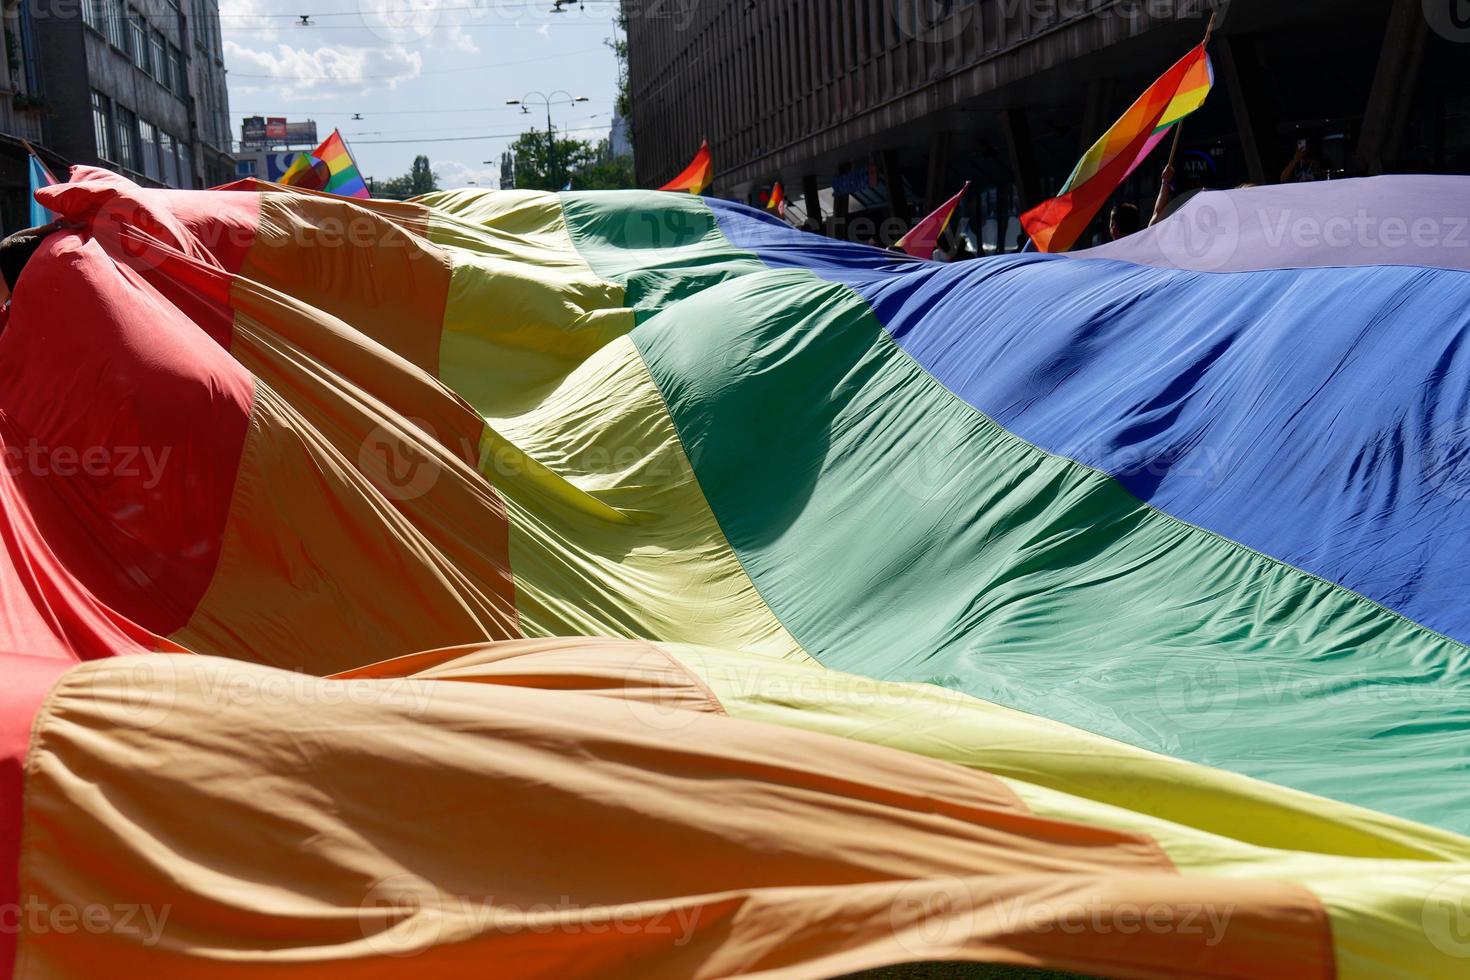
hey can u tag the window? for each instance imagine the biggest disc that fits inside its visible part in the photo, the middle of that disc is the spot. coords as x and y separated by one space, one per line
148 146
102 124
206 23
117 24
159 62
94 14
166 157
186 166
203 111
201 24
127 138
176 71
139 47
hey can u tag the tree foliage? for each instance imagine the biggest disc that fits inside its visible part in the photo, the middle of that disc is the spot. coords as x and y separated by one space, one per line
420 179
548 163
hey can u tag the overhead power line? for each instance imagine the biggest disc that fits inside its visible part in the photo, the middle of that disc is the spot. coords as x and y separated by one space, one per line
431 71
394 112
365 27
467 139
367 11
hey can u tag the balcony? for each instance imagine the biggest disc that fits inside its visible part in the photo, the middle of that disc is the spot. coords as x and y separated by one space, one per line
22 116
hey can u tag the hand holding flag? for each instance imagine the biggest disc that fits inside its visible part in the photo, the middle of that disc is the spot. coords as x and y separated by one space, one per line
1055 224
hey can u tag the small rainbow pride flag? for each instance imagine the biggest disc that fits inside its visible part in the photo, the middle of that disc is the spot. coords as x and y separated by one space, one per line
695 178
777 200
923 237
1055 224
329 168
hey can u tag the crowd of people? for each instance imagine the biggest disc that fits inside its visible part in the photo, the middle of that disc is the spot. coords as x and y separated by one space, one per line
1124 219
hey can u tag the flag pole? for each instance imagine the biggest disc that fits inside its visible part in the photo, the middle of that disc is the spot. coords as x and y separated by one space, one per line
32 151
1179 126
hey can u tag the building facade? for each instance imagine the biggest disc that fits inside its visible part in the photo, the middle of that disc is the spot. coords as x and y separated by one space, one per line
22 112
136 86
843 99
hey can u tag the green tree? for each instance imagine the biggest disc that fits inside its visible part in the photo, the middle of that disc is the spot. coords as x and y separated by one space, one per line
420 179
421 176
545 163
589 166
605 172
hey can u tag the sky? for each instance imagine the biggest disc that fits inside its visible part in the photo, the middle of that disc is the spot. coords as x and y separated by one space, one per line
427 76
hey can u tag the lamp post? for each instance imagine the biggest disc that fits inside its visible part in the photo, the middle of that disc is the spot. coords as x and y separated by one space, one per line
559 97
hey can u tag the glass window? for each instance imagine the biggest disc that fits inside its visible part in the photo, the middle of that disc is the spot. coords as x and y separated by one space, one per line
102 125
148 146
201 30
117 24
176 71
186 167
159 62
127 138
205 111
139 47
94 13
169 161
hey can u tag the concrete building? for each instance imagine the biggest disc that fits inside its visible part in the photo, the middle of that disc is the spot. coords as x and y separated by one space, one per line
137 86
22 112
844 99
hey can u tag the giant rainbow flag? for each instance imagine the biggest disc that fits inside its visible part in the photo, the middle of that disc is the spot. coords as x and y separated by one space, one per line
626 584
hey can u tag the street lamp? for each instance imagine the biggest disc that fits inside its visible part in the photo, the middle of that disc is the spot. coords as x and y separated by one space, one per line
559 97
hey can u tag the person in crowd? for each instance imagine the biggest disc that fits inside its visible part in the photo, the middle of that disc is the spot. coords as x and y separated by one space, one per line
1123 220
1303 166
1161 203
15 251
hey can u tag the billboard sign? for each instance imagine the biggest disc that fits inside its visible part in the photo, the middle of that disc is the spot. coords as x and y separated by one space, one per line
265 131
301 132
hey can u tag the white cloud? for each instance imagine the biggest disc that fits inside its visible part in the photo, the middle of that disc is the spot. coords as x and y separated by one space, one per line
251 16
459 39
454 174
293 72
